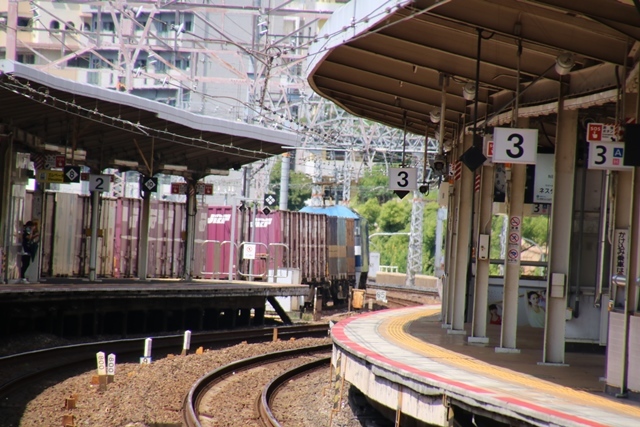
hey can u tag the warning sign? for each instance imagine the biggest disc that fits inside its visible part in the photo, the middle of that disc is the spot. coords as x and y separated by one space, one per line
249 251
513 256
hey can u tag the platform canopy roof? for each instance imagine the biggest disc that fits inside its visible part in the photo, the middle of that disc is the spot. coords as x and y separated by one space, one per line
387 60
104 128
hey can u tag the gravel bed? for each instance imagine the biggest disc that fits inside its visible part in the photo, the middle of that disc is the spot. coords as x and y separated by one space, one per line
153 395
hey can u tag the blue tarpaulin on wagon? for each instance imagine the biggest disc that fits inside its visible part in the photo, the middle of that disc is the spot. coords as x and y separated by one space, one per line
337 211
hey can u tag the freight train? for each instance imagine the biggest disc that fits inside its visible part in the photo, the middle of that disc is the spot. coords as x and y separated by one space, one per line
326 248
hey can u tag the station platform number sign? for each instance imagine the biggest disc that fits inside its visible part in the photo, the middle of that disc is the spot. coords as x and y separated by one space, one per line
605 150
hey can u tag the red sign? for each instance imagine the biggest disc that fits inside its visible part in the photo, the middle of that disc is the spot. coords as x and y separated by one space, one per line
208 189
178 188
594 132
490 149
60 161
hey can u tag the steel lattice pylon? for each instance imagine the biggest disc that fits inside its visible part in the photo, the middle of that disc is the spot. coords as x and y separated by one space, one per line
232 59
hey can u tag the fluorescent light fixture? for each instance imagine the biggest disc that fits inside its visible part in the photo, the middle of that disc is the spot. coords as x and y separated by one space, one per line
564 63
469 91
53 147
176 168
221 172
125 163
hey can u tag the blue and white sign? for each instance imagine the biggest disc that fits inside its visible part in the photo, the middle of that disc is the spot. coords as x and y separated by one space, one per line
511 145
607 156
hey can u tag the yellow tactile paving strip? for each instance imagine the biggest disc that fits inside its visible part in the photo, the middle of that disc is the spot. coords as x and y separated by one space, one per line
394 330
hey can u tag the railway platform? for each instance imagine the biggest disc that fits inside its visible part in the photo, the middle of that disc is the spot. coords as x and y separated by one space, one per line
404 359
77 307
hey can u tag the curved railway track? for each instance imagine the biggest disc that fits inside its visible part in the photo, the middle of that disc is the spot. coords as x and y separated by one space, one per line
269 393
260 369
19 370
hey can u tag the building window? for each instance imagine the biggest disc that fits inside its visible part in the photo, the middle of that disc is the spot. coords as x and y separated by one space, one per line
24 22
26 59
109 26
54 25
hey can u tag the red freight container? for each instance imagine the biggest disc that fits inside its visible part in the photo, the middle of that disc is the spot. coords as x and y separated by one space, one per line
217 244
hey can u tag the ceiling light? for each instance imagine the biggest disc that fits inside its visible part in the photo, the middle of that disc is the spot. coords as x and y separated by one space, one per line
125 163
176 168
564 63
217 172
469 91
435 115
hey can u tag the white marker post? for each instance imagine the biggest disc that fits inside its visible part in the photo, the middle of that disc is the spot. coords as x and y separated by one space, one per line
146 359
111 367
186 343
102 371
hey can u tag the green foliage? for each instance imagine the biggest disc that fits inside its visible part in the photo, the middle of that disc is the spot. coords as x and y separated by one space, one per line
371 211
534 231
373 185
395 216
299 186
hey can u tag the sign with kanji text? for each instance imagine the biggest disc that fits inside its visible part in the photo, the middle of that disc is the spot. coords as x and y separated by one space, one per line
50 177
620 246
543 180
599 132
178 188
607 156
206 189
511 145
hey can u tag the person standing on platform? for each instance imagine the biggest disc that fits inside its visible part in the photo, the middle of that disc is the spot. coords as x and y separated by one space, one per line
30 239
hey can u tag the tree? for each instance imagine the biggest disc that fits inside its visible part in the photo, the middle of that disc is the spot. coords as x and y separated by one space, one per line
299 186
373 185
395 216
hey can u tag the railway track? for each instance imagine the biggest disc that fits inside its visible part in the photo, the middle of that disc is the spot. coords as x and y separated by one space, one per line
270 392
19 370
261 376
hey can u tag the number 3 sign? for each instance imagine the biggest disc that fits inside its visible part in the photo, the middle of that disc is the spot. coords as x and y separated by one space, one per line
515 145
403 179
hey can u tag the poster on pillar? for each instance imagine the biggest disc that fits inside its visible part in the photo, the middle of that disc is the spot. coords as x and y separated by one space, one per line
512 145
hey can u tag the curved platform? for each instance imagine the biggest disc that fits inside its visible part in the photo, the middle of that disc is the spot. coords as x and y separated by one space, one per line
404 359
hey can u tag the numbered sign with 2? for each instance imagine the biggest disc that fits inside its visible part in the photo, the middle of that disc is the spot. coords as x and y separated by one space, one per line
511 145
403 179
607 156
101 183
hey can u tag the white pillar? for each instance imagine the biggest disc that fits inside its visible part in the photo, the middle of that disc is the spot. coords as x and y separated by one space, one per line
560 233
463 239
481 294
